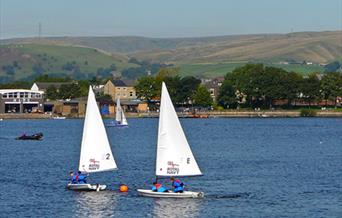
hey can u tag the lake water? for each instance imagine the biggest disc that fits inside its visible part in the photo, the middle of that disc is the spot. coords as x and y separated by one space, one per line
252 168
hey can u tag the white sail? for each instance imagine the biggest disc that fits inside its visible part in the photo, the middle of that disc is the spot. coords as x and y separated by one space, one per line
120 116
174 156
96 155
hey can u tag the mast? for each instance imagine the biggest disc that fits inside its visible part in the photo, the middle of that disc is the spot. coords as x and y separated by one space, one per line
174 156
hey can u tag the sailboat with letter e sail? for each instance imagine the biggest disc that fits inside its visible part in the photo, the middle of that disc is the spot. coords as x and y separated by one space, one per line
174 156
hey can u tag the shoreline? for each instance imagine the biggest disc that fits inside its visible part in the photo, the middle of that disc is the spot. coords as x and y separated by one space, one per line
208 114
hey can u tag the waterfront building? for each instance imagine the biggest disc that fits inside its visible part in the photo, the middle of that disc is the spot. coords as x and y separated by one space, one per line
21 101
119 89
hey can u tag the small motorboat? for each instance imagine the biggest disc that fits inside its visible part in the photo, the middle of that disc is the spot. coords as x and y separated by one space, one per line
58 118
37 136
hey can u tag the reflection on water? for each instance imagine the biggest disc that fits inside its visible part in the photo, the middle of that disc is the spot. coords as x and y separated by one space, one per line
168 207
95 204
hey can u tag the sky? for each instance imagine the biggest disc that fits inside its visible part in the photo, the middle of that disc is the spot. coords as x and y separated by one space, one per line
166 18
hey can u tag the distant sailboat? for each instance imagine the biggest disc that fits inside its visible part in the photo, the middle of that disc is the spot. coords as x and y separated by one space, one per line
174 156
96 154
120 118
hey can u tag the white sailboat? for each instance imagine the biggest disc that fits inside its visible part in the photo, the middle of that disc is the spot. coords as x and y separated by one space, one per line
120 118
174 156
96 154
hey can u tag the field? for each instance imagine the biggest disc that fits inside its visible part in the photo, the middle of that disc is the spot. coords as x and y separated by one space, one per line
210 70
52 58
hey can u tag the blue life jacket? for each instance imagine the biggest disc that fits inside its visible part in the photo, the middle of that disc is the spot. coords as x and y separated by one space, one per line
158 188
74 179
178 186
82 179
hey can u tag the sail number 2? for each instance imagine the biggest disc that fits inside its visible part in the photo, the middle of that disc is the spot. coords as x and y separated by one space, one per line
107 156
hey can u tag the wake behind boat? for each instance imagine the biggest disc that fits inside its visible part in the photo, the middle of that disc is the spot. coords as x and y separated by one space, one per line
96 154
174 156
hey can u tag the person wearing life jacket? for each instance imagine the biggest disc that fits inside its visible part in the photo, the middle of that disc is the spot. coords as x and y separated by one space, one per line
74 177
178 186
81 178
157 187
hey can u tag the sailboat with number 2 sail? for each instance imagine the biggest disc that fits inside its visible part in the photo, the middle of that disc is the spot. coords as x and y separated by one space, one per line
174 156
96 154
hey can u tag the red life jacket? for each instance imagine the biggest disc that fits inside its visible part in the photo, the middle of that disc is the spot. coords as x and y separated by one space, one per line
157 186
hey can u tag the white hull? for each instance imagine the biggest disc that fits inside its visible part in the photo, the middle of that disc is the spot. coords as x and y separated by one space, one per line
86 187
185 194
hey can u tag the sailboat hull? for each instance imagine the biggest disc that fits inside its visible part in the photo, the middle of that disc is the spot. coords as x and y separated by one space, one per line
185 194
116 125
86 187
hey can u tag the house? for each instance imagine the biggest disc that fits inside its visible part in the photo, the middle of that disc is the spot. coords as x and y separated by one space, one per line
213 86
119 89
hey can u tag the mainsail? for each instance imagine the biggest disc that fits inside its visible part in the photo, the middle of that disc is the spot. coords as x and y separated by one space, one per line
96 155
174 156
120 116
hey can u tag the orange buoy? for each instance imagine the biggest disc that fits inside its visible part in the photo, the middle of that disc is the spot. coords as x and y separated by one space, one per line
123 188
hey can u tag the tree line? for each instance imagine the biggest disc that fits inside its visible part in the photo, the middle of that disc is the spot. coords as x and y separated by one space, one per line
258 86
184 91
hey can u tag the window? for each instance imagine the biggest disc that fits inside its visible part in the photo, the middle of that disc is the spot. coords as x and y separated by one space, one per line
10 95
21 95
131 94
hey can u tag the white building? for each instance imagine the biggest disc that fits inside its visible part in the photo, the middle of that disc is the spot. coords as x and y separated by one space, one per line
21 100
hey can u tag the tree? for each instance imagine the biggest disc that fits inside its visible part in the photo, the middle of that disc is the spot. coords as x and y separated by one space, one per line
9 69
47 78
69 91
51 93
187 88
227 97
309 87
84 87
38 69
331 86
202 97
146 88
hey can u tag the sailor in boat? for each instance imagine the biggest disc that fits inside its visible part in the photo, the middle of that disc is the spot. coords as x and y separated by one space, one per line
157 187
78 178
177 185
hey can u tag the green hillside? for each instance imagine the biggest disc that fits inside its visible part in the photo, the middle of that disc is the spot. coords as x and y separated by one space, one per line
20 61
210 70
317 47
